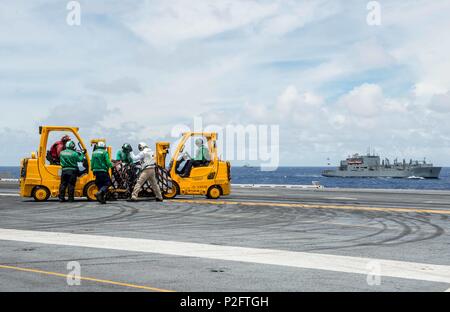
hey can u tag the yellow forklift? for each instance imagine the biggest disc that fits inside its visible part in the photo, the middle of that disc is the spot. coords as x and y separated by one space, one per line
212 179
40 177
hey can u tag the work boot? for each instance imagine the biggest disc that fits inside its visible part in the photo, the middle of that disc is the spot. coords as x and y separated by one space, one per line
99 197
71 200
133 199
62 200
103 198
159 200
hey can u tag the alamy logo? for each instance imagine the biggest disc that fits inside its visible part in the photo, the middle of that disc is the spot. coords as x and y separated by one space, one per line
374 274
74 275
374 15
74 15
250 142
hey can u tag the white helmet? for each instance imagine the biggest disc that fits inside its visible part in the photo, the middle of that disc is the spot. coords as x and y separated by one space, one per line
142 145
101 144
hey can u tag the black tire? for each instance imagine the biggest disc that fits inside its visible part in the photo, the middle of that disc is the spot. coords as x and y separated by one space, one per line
40 193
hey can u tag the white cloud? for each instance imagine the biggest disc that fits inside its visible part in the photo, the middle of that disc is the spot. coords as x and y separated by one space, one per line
118 86
298 107
424 46
16 144
171 21
351 59
363 117
316 68
167 23
364 101
291 15
440 103
86 113
337 121
428 89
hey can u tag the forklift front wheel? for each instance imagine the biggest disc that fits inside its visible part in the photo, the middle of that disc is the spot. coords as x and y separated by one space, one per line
90 191
41 193
173 192
213 192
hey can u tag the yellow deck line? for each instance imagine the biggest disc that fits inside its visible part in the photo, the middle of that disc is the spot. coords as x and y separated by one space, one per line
85 278
341 207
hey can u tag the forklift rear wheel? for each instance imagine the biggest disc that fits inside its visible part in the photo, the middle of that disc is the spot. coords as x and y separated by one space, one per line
41 193
172 192
90 191
213 192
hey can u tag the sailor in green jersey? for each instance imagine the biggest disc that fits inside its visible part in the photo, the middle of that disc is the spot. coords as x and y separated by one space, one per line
202 154
100 165
69 164
124 155
201 158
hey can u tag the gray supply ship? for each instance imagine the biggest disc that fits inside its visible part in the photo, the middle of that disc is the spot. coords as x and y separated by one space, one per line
370 166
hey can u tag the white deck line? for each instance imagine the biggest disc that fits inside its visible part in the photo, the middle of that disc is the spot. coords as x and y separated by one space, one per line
303 260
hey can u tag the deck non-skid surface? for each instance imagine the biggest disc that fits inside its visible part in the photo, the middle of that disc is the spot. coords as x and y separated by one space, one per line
255 240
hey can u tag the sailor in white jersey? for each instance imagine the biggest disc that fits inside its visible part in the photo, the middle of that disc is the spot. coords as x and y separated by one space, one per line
147 158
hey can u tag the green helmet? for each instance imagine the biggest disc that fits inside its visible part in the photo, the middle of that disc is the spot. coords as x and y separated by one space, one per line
127 148
70 145
199 142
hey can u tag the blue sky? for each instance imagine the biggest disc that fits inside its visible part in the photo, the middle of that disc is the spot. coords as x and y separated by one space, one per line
132 70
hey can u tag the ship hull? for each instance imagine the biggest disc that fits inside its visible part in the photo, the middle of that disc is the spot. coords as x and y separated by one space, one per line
425 172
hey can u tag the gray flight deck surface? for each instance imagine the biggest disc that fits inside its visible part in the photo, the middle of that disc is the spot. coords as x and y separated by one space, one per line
408 226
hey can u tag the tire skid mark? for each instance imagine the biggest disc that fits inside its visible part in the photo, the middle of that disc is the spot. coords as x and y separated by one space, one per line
319 225
123 212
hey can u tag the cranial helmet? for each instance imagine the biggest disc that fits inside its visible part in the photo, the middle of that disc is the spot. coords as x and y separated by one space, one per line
127 148
142 145
70 145
101 144
65 139
199 142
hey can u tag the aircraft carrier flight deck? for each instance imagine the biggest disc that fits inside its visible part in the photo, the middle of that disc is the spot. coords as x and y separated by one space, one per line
257 239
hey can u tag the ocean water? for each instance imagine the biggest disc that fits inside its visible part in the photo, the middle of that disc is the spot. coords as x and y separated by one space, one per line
9 172
306 175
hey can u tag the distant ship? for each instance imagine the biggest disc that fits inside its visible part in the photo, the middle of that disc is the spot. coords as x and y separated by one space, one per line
369 166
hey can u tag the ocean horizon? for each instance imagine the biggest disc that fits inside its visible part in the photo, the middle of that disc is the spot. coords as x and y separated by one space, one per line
306 175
